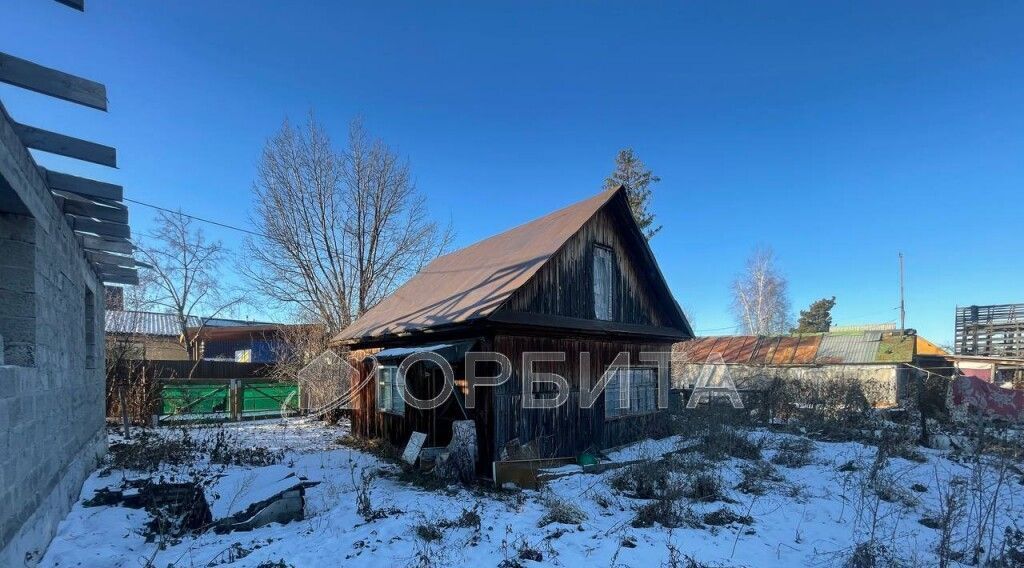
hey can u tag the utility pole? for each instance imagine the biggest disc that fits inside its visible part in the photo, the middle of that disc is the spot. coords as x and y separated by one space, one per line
903 311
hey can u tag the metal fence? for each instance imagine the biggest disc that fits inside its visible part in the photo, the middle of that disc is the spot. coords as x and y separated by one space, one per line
225 399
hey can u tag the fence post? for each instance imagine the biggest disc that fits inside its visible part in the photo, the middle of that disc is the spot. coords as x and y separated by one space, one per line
234 400
240 393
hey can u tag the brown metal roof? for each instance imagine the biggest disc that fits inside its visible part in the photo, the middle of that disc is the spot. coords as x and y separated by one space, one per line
813 349
473 282
752 350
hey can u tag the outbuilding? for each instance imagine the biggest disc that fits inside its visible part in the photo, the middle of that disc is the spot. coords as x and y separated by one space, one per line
581 280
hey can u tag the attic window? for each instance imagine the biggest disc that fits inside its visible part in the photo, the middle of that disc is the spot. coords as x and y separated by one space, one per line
603 270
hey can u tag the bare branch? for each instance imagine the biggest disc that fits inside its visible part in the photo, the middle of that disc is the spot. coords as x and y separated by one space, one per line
342 229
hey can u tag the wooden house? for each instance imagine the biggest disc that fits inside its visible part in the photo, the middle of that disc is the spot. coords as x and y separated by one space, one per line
581 279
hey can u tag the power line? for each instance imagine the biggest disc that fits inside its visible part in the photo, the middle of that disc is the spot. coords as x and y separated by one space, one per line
197 218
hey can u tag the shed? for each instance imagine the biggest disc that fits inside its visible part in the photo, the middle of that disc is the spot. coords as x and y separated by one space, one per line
885 361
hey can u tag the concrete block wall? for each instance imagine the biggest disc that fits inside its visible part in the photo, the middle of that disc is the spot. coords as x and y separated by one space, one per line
52 431
17 285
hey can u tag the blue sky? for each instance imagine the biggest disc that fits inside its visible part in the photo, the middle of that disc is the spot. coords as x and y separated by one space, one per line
837 133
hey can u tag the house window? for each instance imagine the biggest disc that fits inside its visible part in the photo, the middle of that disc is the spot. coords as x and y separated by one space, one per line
603 269
389 391
643 392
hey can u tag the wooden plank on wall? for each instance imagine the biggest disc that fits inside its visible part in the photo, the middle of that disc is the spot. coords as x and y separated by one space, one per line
89 200
102 257
64 145
118 275
95 210
92 242
111 258
111 270
82 186
34 77
102 228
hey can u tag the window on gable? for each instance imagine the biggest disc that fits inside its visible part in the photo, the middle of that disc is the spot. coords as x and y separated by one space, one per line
389 391
643 392
603 271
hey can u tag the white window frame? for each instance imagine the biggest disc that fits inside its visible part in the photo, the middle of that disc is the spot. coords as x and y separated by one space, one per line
605 312
390 387
643 393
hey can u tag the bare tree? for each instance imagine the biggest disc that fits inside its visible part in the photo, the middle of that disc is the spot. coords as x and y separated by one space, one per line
760 296
340 231
187 279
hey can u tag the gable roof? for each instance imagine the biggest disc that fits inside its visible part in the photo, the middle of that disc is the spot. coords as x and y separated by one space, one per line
473 282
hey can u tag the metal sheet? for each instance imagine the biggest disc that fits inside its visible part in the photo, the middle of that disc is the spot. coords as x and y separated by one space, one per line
848 349
473 282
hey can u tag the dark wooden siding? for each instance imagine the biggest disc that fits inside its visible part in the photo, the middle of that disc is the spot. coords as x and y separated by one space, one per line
569 429
565 285
424 382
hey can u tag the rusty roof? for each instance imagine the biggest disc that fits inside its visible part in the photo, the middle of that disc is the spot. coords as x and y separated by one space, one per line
811 349
752 350
473 282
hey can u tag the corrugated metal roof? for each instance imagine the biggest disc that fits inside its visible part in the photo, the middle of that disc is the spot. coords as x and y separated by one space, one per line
752 350
861 348
888 326
154 323
144 323
472 283
821 349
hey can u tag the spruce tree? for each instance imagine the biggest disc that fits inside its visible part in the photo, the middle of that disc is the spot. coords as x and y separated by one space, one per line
637 179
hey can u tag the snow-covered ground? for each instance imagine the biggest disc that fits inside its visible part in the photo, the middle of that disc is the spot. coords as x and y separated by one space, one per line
810 515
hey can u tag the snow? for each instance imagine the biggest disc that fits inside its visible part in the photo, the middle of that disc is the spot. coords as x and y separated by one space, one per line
815 516
235 491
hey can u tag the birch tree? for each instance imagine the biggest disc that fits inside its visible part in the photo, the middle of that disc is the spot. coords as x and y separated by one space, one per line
761 297
340 229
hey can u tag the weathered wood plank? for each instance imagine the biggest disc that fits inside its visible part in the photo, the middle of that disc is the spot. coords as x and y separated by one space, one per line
114 259
112 268
92 242
121 276
82 186
90 200
86 208
102 228
34 77
64 145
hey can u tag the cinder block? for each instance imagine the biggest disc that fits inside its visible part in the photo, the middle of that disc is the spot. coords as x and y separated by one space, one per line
19 353
18 304
17 228
17 278
18 328
18 254
5 414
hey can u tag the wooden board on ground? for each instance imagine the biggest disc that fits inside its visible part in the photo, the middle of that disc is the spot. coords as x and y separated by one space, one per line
526 473
413 448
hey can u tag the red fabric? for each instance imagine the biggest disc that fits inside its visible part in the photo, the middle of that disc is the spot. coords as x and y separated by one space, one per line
983 374
989 398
